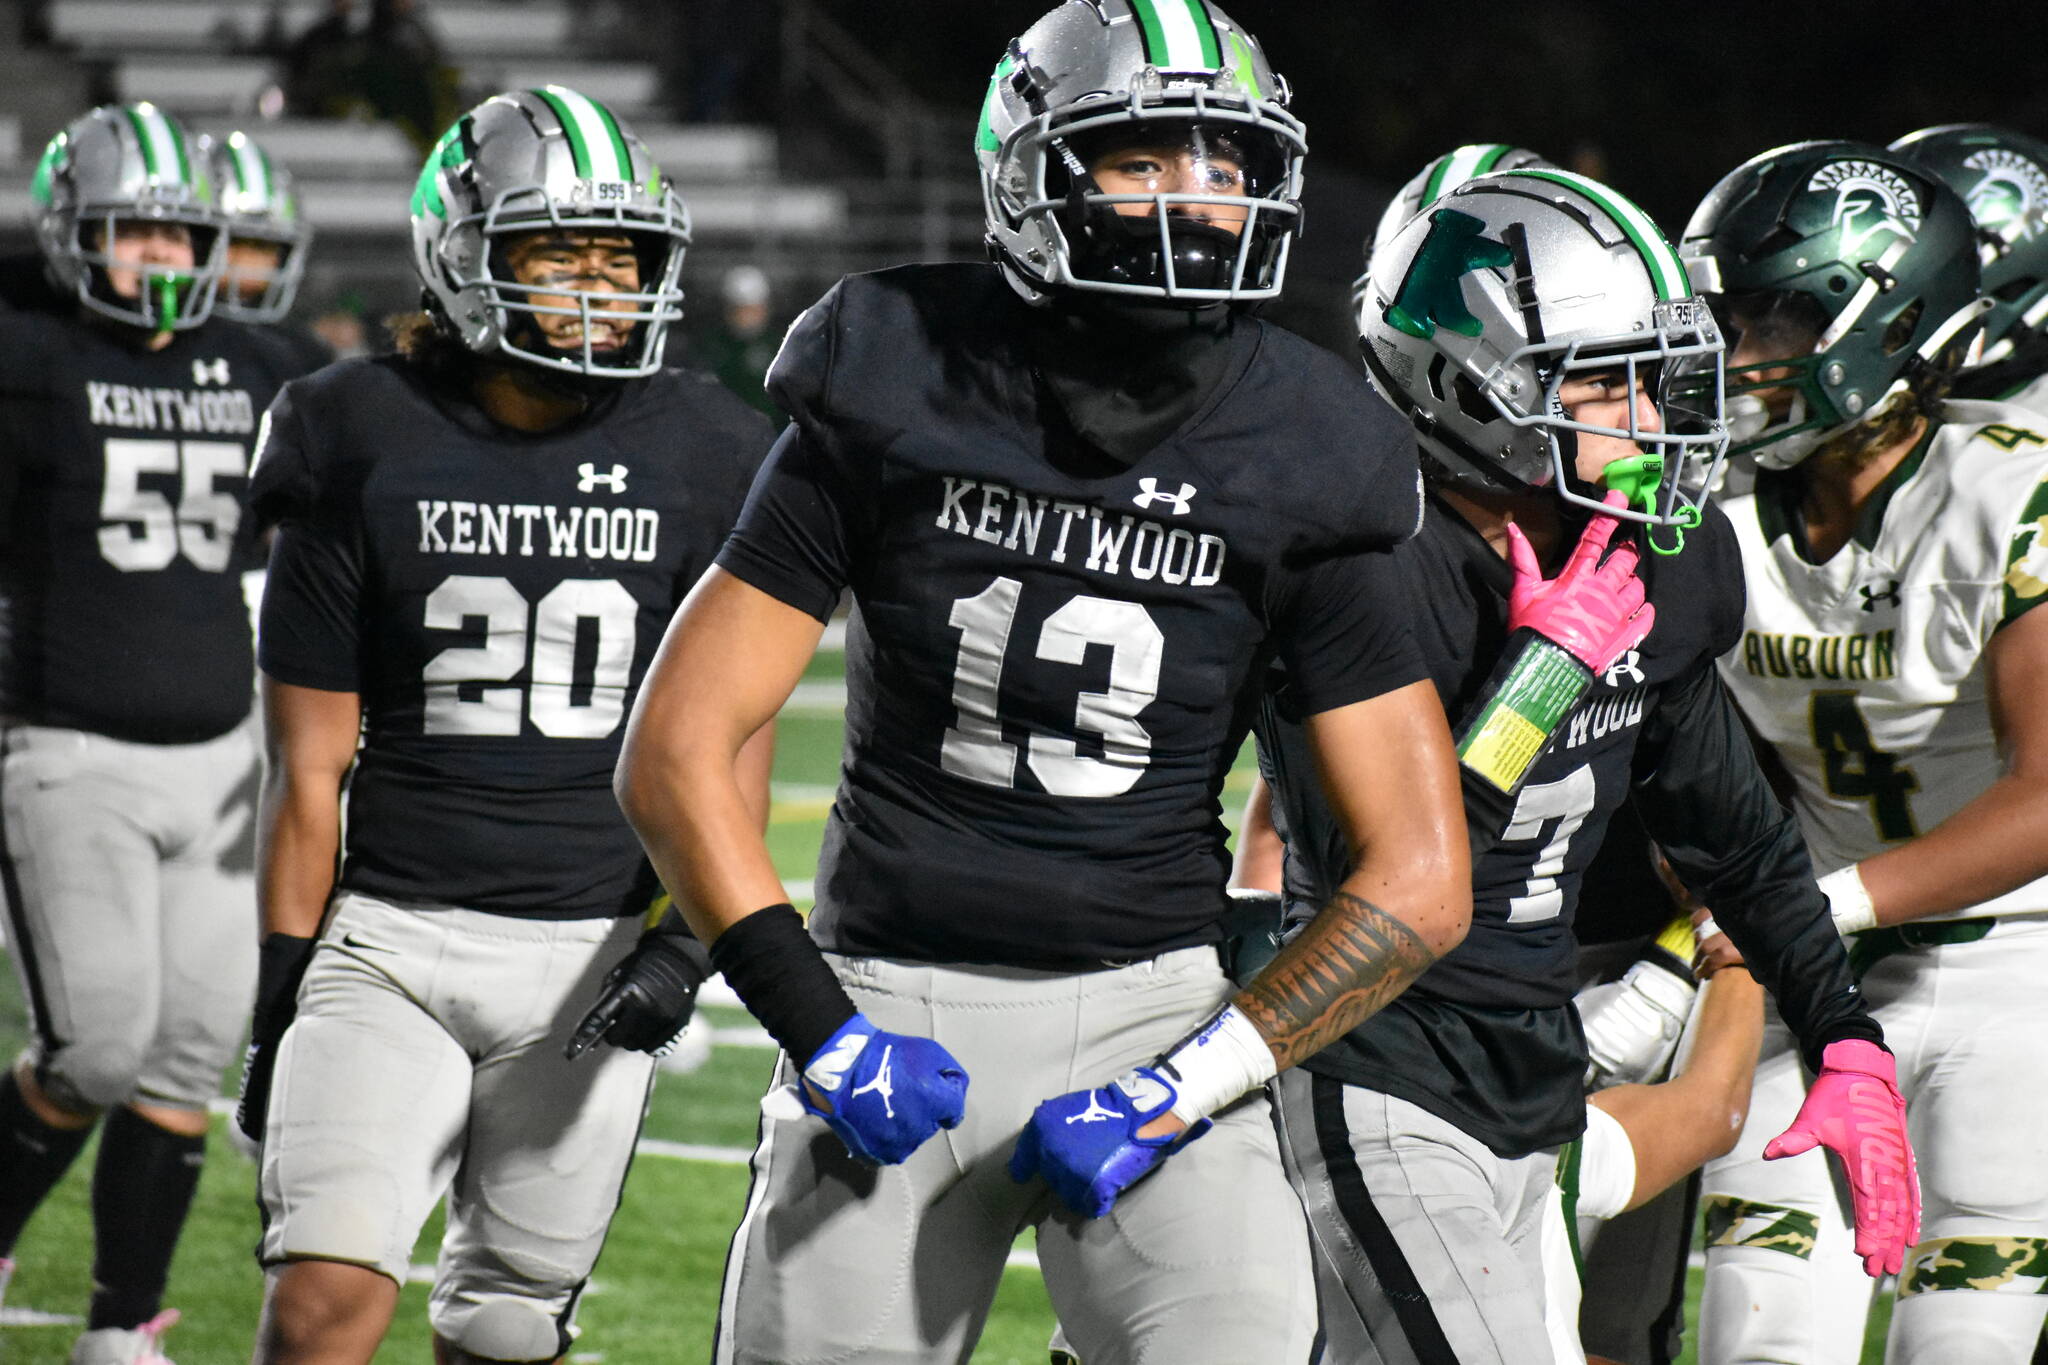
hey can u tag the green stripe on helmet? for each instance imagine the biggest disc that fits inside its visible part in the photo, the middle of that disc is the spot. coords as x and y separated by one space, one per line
1492 158
447 153
1667 272
985 139
618 138
46 169
1247 70
143 140
1205 32
1150 29
579 150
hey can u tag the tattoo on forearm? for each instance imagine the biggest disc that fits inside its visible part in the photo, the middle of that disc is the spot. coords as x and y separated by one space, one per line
1349 962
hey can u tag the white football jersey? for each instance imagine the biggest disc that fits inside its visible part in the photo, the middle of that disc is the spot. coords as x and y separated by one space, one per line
1866 673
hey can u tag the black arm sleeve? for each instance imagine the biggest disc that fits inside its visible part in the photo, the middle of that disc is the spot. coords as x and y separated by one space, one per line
1705 801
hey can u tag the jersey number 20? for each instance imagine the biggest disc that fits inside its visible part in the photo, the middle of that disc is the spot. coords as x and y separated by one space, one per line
975 747
548 651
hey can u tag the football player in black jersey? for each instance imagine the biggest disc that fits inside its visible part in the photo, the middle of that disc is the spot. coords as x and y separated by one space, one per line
268 241
127 419
479 543
1080 498
1535 327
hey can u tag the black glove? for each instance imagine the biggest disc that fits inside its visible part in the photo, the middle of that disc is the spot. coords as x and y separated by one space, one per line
280 968
649 996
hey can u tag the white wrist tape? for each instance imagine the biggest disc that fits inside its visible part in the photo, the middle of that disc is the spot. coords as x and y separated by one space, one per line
1223 1060
1848 901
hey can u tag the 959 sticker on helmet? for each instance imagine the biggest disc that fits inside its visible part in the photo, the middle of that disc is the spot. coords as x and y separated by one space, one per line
609 191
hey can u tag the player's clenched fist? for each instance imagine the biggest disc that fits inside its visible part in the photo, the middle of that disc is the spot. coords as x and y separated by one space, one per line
1854 1109
1085 1145
882 1093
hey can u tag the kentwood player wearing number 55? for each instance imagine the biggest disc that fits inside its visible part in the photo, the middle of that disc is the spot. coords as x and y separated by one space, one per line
127 418
1892 657
479 542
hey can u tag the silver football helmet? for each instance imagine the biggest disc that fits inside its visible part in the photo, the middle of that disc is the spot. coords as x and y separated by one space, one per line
257 199
1096 76
529 160
125 163
1432 183
1483 306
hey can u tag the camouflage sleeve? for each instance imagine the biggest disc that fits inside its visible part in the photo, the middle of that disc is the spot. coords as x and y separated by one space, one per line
2026 559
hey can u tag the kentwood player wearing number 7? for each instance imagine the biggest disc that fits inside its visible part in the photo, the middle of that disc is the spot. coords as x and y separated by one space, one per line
127 417
1892 658
479 543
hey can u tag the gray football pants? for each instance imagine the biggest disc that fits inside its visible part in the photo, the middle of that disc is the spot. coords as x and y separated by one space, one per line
1428 1247
1205 1260
135 946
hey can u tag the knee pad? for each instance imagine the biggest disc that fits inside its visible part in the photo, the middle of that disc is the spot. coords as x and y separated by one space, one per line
87 1077
506 1329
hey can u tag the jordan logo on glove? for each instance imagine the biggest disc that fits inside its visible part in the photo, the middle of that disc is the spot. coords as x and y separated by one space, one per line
880 1085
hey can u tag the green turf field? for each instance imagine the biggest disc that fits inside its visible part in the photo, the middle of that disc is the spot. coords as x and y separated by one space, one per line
655 1291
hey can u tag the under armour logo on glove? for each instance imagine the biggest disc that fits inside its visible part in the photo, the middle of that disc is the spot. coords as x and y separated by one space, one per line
1181 502
587 478
1871 596
1854 1109
1085 1145
1627 666
874 1069
206 372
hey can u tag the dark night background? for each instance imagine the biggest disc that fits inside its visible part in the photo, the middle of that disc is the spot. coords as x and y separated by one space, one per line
1658 99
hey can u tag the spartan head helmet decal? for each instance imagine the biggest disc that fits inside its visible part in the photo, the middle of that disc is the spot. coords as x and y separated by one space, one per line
2012 197
1869 199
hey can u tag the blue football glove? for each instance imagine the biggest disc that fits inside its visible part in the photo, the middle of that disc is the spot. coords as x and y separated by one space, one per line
885 1093
1086 1144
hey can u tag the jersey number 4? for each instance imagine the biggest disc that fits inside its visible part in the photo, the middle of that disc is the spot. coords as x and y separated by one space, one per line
975 747
548 651
1857 770
143 531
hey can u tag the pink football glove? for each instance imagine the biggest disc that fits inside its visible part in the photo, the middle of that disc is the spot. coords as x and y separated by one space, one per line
1855 1110
1594 611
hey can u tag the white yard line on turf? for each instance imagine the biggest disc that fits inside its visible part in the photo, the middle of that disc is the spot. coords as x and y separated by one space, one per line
29 1317
820 696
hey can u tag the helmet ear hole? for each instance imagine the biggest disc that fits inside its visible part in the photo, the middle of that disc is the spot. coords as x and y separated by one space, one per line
1438 363
1471 401
1900 334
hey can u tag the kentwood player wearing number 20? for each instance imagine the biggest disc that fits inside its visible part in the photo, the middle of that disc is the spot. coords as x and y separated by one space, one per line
480 541
127 417
1892 657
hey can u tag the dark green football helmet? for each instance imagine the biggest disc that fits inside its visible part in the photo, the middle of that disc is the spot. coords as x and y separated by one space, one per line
1852 268
2003 178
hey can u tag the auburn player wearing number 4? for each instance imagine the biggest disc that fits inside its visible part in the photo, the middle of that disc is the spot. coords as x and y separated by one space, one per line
127 416
479 542
1891 658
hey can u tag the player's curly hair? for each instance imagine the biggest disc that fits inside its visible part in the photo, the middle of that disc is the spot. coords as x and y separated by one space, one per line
431 345
1928 384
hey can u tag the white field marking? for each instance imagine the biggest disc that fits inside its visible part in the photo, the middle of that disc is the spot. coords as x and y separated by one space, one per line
741 1037
694 1151
802 791
29 1317
818 697
833 641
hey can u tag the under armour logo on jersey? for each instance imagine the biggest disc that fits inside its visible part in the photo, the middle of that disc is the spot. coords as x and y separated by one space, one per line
213 371
588 478
1152 494
1871 596
881 1085
1096 1111
1627 666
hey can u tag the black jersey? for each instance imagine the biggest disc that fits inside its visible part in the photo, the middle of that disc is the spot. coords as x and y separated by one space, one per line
1486 1038
1046 672
123 481
495 598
